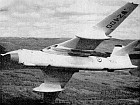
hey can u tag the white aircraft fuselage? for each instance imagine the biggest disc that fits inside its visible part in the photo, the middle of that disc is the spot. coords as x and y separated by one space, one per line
54 59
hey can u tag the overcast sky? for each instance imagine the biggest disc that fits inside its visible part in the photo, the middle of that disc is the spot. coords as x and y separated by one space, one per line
59 18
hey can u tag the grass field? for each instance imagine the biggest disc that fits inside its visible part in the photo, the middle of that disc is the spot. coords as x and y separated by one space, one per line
84 88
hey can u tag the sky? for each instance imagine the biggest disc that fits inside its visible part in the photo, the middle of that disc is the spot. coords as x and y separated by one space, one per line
62 18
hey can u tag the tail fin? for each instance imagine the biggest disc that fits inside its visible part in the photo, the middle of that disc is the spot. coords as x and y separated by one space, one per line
121 54
110 23
116 49
122 51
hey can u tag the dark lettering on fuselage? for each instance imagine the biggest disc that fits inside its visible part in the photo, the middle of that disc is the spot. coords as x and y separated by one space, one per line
117 19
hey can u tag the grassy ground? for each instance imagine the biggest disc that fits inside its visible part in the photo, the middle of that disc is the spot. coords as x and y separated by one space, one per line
84 88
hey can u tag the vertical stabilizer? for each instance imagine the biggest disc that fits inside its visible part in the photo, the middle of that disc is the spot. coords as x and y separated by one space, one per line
110 23
121 54
116 48
122 51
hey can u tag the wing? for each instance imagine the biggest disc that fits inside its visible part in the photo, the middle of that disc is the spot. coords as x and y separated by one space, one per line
89 39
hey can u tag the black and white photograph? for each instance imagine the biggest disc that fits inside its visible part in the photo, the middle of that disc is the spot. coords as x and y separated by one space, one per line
70 52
